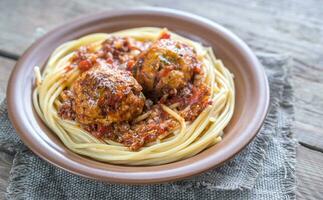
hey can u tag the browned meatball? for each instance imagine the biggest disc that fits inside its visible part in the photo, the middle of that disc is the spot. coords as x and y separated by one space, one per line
105 95
166 66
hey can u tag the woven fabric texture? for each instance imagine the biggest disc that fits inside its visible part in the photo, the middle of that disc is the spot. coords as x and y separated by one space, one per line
265 169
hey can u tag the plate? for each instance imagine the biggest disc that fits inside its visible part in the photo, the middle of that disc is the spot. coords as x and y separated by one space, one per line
252 95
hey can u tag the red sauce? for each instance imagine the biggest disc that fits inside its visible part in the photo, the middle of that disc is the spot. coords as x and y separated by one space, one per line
68 68
165 35
84 65
122 54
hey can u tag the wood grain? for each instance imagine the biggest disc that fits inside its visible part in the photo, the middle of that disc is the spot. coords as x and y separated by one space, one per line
6 65
309 174
288 27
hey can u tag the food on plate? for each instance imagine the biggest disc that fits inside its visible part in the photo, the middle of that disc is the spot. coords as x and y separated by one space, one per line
142 96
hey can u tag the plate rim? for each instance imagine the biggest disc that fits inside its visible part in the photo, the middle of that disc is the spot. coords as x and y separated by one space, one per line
129 177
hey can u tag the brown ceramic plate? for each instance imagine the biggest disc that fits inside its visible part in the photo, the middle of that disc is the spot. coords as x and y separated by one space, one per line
252 95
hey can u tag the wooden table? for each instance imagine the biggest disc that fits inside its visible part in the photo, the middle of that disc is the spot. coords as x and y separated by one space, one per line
287 27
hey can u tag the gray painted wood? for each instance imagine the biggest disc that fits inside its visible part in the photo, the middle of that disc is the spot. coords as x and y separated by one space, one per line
309 174
6 65
294 28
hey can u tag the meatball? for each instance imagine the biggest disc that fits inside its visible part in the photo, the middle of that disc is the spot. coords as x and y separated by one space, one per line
166 66
105 95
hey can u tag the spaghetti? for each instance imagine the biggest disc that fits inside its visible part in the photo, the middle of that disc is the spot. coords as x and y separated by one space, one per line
188 134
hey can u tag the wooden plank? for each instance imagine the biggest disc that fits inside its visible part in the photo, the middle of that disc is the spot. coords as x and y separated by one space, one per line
308 86
6 65
268 22
309 174
286 27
